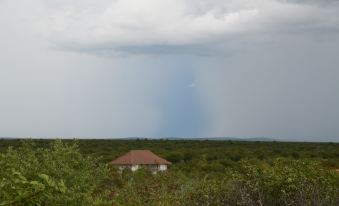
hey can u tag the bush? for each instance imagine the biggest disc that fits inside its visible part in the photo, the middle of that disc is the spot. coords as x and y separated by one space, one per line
58 175
145 188
286 182
175 157
40 173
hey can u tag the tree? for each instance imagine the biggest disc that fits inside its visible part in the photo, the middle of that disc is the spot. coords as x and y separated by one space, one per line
58 175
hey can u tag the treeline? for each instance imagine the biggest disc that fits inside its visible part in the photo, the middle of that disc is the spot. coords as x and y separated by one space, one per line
42 172
203 155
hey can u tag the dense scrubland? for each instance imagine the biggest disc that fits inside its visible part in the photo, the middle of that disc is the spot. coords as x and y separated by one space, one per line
75 172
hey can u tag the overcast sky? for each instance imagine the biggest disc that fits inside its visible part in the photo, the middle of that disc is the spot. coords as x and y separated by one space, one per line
164 68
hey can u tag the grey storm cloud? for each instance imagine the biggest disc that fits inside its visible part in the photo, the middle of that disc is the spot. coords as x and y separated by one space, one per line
243 68
181 26
314 2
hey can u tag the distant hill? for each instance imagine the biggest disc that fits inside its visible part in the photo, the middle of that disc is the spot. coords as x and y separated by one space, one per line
252 139
9 138
261 139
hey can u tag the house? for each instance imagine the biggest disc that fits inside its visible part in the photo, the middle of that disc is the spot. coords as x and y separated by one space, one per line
136 159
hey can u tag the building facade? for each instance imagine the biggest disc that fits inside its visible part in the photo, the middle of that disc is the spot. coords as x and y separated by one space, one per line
136 159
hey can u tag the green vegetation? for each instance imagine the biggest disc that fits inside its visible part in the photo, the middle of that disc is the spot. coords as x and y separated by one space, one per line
45 172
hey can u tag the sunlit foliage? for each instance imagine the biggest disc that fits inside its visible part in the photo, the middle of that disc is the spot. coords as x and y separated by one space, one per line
204 173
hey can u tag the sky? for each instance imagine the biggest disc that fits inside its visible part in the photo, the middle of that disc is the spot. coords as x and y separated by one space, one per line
170 68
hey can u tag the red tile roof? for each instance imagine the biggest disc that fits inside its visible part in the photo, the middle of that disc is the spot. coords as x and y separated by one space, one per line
140 157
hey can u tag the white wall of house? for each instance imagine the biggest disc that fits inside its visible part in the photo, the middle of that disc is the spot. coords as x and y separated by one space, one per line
122 167
153 168
162 167
131 167
134 167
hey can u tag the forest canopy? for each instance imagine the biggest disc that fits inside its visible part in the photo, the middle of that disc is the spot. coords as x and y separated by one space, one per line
75 172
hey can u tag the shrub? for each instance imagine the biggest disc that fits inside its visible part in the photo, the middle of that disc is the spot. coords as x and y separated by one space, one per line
286 182
58 175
